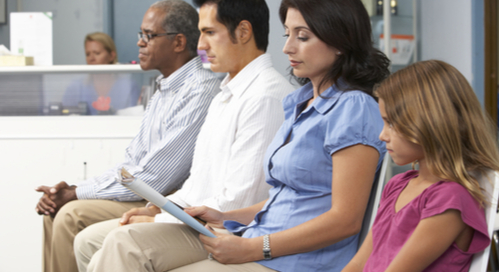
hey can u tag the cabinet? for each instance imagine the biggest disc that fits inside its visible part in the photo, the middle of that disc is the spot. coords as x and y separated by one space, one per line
43 150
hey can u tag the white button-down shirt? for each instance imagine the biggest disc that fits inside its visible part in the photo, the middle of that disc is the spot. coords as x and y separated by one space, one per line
227 168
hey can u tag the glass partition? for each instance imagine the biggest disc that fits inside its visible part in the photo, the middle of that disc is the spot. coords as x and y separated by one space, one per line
75 90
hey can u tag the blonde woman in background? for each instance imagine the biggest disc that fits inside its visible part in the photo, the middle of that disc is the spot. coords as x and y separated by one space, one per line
104 93
100 49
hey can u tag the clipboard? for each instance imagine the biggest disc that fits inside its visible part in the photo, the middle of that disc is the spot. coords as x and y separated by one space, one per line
139 187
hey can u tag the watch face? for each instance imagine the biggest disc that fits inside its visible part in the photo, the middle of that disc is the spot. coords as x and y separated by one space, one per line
267 254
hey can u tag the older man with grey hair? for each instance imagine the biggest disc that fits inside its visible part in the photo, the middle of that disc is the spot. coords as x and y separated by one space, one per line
160 154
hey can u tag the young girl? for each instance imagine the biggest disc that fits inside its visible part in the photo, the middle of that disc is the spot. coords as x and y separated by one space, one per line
431 219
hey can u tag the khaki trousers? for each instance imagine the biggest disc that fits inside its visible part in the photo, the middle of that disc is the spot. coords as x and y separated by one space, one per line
152 247
60 231
90 240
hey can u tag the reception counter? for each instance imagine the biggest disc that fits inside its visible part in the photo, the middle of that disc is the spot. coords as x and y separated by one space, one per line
42 149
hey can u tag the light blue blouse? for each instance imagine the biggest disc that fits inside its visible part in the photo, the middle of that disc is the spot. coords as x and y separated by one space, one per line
301 170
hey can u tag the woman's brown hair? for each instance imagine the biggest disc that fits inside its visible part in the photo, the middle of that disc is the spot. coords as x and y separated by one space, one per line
345 26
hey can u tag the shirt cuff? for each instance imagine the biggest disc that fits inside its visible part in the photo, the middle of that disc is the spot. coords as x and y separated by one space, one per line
85 192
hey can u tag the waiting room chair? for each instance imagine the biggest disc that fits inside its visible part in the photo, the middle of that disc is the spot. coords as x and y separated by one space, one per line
374 201
480 260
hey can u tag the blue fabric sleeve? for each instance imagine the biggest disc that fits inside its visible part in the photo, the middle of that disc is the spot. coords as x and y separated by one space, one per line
354 120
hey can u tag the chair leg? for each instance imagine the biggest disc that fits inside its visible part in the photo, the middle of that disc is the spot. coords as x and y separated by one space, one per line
494 253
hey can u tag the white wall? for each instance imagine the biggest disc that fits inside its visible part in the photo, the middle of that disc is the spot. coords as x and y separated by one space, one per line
446 33
276 39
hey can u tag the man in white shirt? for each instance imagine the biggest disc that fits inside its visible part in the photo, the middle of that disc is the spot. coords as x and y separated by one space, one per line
160 154
227 166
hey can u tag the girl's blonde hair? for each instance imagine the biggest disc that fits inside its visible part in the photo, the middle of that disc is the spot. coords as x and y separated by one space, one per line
105 40
430 103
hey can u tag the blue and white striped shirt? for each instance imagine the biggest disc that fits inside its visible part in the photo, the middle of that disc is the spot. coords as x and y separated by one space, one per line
162 152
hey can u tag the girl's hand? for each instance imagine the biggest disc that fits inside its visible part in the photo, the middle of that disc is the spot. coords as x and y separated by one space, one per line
231 249
213 217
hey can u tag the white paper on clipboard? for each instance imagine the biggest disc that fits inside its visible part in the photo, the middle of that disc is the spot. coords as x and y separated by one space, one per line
139 187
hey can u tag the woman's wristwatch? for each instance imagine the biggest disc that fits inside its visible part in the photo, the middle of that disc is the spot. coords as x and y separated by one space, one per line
266 249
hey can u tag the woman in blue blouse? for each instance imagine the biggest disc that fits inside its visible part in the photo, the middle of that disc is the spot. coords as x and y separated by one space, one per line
322 161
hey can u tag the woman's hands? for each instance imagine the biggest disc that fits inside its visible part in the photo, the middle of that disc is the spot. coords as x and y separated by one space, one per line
228 248
231 249
213 217
225 248
140 215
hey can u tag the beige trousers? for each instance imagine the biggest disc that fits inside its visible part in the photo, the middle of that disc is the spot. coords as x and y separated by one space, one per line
149 247
90 240
60 231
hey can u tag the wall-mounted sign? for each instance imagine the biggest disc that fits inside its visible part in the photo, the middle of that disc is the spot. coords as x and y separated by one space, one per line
402 48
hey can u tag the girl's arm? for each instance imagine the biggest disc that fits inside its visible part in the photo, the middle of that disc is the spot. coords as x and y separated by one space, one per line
353 174
431 238
358 262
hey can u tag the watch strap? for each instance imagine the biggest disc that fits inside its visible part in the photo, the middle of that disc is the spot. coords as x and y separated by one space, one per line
266 250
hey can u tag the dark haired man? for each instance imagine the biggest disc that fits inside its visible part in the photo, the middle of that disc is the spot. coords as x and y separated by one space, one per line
227 166
162 151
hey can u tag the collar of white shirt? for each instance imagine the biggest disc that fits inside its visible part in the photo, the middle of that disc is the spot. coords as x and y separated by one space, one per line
244 78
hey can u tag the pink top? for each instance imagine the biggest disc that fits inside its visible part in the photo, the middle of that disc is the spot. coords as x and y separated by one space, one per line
391 230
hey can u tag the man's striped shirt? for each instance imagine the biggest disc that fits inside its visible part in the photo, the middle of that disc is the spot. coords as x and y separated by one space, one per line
162 152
